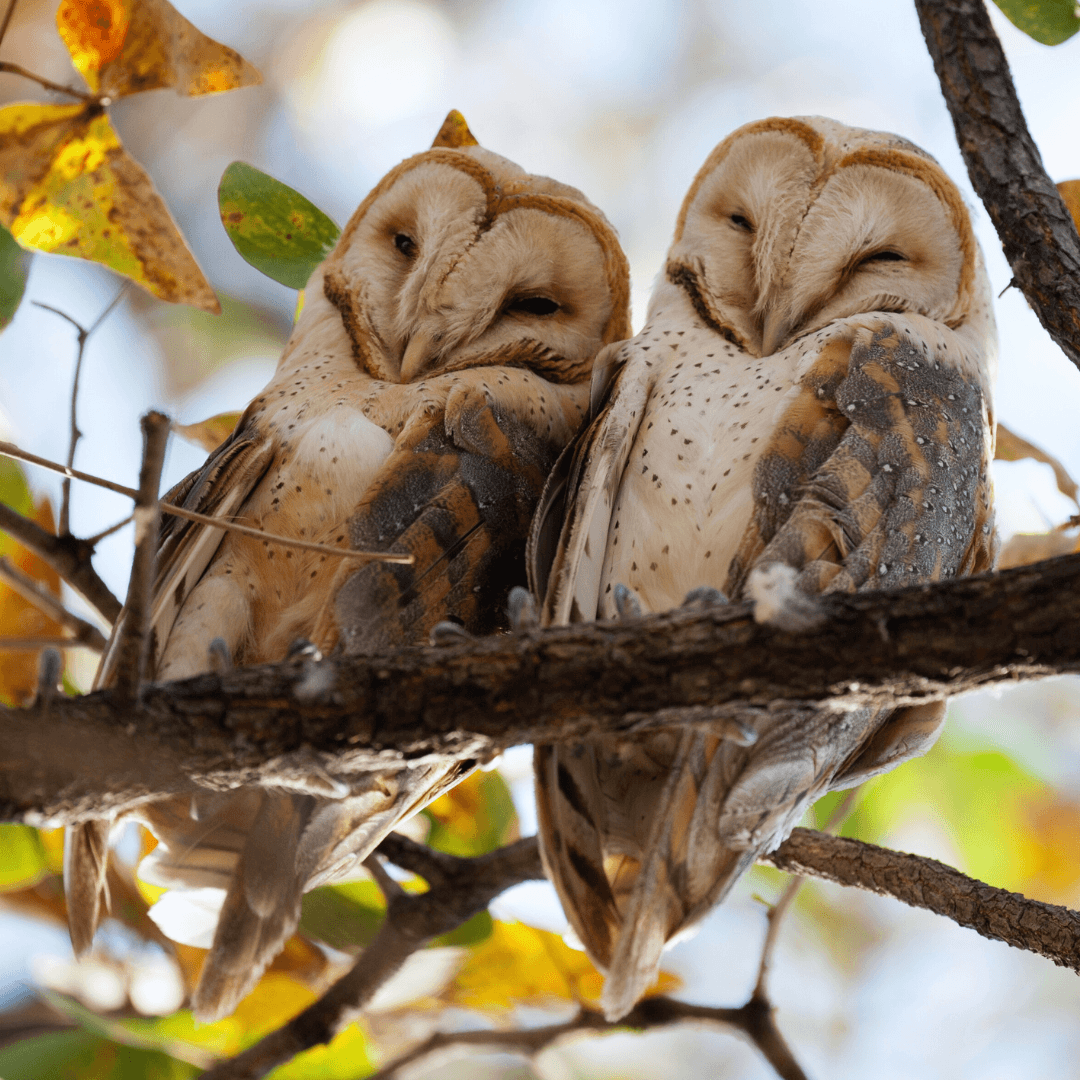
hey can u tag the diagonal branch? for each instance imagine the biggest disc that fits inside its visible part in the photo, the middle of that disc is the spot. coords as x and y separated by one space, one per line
1004 164
133 642
85 633
67 555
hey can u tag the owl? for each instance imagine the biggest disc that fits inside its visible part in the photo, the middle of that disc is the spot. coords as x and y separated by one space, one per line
807 407
440 365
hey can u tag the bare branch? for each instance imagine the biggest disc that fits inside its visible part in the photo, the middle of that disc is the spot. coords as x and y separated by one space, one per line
85 633
82 336
133 645
1047 929
7 18
12 451
18 69
32 644
461 888
1004 164
473 700
68 556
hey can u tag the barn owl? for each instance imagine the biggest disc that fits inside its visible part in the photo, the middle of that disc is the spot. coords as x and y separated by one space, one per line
439 366
808 406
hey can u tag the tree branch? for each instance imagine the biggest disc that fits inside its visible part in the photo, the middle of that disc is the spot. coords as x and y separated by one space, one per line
85 633
1047 929
1004 164
67 555
133 644
262 724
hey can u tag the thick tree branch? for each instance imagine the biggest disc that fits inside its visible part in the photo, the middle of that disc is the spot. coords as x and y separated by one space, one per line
67 555
1004 164
1046 929
263 724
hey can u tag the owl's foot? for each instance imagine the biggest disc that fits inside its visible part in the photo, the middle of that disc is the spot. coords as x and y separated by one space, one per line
703 596
779 601
305 647
448 633
627 603
50 668
218 656
521 610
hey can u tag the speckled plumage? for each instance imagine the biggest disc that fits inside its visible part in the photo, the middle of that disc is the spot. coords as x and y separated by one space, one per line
811 389
439 366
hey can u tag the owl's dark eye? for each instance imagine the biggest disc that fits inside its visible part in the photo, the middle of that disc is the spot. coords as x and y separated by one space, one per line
743 223
883 256
406 245
533 305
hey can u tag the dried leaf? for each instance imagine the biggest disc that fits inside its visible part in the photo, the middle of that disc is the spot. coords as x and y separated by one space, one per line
123 47
14 267
1070 193
211 433
1023 549
68 187
1049 22
281 233
1011 447
520 964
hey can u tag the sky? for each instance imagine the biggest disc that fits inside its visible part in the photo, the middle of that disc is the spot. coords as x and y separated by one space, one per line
623 100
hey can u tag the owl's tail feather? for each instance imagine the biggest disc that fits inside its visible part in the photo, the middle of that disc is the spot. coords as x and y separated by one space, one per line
629 835
86 890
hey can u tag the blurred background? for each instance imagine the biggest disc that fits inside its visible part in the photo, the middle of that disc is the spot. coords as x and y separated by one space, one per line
623 100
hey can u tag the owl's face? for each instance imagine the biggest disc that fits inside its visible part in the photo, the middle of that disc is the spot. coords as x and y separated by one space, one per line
793 223
459 258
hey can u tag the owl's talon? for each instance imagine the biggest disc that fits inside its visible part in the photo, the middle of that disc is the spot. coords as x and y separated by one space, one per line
219 656
448 633
50 667
704 596
521 610
302 646
627 603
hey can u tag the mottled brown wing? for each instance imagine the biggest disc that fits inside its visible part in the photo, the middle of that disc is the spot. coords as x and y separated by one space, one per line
458 494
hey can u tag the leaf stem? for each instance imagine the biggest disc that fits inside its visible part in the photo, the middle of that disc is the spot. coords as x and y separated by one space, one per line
18 69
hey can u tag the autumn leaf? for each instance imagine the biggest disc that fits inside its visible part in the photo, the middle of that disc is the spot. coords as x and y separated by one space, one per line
123 47
68 187
1049 22
210 433
520 964
1011 447
1070 193
1023 549
274 228
473 818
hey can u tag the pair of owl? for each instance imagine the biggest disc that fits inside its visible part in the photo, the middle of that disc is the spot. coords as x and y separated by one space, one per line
808 403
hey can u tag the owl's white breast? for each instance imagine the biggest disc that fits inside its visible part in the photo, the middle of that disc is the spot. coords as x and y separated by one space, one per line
686 494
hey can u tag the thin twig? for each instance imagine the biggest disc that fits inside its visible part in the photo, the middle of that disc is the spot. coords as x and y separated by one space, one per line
67 555
94 540
133 645
7 19
17 69
33 644
85 632
12 451
82 336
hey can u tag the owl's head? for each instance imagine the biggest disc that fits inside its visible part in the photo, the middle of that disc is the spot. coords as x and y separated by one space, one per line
458 258
792 223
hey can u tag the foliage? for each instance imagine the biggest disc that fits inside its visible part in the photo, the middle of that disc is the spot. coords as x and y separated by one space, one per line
1048 21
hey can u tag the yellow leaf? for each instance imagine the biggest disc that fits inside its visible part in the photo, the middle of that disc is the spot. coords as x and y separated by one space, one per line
1011 447
211 433
1070 192
520 964
68 187
20 618
123 47
1026 548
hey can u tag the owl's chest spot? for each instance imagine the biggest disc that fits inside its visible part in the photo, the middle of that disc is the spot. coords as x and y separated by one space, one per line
686 496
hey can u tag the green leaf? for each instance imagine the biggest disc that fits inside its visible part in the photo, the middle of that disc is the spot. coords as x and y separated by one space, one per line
14 490
273 227
475 817
346 1058
1048 21
81 1055
14 266
344 916
22 858
478 928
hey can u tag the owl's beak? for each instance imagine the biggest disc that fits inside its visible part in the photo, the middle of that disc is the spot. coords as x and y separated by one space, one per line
774 328
417 354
